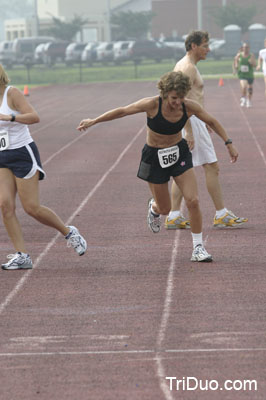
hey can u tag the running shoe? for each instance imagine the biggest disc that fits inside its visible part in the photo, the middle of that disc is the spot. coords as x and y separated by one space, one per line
75 240
200 254
229 220
248 103
242 102
18 261
153 220
177 223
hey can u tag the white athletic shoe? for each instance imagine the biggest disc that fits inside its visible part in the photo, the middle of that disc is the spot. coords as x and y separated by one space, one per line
200 254
248 103
153 220
242 102
75 240
18 261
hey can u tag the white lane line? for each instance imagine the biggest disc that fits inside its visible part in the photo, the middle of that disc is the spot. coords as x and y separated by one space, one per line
25 277
164 321
249 127
128 352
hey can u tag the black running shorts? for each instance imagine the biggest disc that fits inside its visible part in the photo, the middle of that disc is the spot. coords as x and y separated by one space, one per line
151 171
23 162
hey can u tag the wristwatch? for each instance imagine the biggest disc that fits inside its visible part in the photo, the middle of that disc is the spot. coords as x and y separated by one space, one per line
229 141
13 118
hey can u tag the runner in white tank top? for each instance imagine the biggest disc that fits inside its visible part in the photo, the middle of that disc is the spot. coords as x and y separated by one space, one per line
20 172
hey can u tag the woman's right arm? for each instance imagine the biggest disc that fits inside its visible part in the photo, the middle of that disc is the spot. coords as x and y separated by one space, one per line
139 106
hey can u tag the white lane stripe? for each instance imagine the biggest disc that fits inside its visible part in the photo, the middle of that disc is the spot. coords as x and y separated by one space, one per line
164 321
249 127
25 277
119 352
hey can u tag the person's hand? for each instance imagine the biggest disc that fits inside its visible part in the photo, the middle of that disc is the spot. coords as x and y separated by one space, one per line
233 153
85 124
258 68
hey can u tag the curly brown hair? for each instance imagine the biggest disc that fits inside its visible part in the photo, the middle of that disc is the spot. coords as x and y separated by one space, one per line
4 80
177 81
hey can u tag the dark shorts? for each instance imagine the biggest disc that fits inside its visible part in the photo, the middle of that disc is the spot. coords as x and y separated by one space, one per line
250 80
23 162
151 171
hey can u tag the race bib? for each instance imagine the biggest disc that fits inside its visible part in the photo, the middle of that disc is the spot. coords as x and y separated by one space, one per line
4 140
244 68
168 156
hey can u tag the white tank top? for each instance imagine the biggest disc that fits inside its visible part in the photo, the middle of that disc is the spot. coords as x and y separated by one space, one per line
19 134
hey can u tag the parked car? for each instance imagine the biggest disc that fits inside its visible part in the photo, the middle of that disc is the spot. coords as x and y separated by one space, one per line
54 52
158 51
73 53
39 53
217 48
178 47
89 54
122 51
105 52
23 48
6 55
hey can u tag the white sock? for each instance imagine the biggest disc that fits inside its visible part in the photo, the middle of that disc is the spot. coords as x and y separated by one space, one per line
174 214
154 212
197 239
221 213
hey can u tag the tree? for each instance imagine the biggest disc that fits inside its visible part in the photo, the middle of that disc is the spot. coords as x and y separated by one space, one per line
233 14
131 25
66 30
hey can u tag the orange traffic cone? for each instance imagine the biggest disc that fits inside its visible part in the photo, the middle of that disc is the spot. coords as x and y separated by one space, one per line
26 91
221 82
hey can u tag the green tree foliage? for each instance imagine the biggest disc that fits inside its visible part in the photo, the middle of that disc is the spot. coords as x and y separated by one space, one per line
131 25
65 30
233 14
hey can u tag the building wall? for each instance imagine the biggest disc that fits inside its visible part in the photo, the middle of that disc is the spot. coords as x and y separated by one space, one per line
67 8
182 16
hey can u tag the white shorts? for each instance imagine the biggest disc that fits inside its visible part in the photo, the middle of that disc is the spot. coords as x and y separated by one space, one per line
203 152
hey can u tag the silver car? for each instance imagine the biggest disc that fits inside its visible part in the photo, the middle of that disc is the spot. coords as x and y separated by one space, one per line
122 51
89 54
74 52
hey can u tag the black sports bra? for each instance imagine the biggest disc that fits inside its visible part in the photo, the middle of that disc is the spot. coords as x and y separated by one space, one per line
160 125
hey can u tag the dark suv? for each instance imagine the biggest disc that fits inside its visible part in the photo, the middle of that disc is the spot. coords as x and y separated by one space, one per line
151 49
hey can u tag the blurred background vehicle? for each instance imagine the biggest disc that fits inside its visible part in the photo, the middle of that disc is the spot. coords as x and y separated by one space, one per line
23 48
105 52
178 46
155 50
122 51
89 54
6 55
54 52
39 54
217 48
73 53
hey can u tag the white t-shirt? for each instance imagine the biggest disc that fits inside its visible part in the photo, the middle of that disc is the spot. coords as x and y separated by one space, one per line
262 55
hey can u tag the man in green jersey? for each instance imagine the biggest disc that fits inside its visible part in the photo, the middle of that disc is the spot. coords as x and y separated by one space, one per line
244 63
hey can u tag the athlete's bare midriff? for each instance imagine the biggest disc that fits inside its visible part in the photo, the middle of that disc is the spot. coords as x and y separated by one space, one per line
162 141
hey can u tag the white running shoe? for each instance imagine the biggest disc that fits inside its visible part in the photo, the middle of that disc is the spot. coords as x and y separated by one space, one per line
18 261
200 254
153 220
242 102
75 240
248 103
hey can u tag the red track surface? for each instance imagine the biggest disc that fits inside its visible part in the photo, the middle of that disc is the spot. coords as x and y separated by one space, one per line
134 310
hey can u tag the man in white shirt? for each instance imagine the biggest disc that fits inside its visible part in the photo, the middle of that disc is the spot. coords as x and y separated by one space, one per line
262 62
